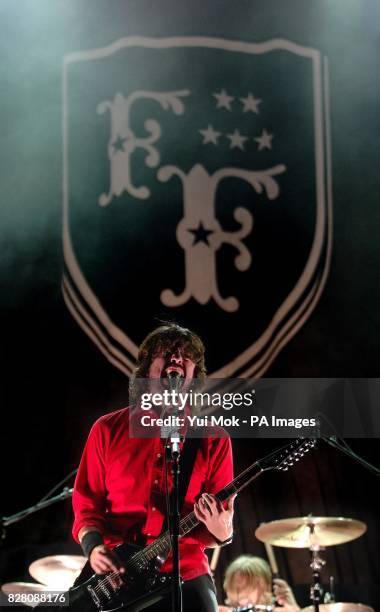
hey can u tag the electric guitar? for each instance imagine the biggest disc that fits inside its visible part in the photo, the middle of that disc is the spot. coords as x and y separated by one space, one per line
143 584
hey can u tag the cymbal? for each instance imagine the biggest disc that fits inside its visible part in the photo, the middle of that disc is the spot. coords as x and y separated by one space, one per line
308 531
15 588
340 607
58 571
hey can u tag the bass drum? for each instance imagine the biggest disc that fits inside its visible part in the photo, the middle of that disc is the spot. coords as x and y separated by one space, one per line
257 608
340 607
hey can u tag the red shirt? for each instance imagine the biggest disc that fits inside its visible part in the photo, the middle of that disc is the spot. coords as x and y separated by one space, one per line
120 488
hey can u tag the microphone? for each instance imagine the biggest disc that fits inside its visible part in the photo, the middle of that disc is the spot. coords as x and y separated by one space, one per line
175 380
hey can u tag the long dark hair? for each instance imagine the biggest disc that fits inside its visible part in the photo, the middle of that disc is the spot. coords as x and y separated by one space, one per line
166 339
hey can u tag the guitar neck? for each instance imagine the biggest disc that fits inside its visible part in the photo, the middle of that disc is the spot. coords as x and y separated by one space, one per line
190 521
280 459
162 544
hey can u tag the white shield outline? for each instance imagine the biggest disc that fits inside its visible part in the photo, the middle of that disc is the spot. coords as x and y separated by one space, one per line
86 308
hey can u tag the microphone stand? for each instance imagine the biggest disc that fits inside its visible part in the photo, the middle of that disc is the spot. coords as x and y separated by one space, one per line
317 563
344 448
175 383
174 524
44 502
14 518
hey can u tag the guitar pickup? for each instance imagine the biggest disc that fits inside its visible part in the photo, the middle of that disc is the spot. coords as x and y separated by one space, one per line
94 596
103 593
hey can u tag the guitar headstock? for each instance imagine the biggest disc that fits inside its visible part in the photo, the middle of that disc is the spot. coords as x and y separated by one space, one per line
288 455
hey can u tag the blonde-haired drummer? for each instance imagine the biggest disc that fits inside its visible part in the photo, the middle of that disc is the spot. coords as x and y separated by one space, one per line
248 582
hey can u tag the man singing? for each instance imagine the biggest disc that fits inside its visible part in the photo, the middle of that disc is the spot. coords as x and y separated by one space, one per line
120 496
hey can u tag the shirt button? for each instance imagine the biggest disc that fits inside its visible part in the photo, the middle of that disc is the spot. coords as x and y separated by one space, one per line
158 455
156 481
153 509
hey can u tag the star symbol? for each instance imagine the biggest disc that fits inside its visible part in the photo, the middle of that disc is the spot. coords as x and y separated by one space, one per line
250 103
201 234
118 144
264 141
223 99
210 135
237 140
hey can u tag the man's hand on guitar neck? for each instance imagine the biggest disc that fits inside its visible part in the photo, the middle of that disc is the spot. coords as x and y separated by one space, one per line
218 520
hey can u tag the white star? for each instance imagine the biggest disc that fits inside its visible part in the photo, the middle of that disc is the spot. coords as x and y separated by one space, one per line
223 99
210 135
251 104
264 141
237 140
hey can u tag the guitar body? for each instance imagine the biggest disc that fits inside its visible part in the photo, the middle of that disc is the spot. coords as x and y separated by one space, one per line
143 584
140 587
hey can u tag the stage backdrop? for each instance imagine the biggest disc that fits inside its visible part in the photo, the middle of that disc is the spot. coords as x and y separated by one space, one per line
209 162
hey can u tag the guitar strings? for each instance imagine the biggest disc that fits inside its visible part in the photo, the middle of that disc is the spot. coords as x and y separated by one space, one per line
165 538
162 540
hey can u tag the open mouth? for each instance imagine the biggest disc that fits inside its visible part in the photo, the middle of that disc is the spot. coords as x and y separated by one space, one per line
172 368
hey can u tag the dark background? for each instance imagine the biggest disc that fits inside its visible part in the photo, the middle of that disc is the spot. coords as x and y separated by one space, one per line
55 383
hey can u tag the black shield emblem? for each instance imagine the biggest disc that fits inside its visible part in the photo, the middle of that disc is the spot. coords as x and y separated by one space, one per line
196 185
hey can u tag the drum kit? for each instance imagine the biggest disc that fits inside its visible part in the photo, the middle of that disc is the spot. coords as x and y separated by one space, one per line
58 572
315 533
333 607
53 573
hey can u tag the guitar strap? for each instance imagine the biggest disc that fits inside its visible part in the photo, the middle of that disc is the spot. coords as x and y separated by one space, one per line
186 463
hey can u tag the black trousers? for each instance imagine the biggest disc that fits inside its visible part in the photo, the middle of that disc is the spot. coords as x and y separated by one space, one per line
198 595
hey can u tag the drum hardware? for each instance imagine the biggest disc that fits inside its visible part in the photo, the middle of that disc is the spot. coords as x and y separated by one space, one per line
256 608
315 533
330 595
316 589
340 607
